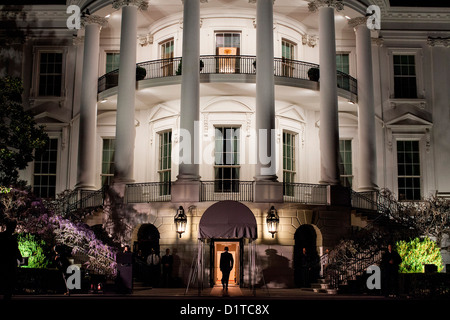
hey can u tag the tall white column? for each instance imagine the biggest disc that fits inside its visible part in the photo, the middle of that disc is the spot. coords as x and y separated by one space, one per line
125 121
86 177
367 174
190 91
265 92
329 125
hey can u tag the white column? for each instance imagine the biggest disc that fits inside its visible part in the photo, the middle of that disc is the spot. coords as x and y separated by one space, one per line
190 91
86 177
125 121
265 92
329 125
367 174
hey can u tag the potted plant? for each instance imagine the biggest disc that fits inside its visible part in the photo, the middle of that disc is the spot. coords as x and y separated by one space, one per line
140 73
314 74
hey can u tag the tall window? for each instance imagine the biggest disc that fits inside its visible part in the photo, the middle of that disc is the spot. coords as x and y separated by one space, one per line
343 65
287 54
50 73
112 61
226 166
165 161
405 84
228 44
44 175
109 147
408 166
345 163
288 163
167 53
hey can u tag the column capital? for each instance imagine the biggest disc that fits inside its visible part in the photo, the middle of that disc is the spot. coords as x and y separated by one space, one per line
140 4
254 1
314 5
201 1
358 21
94 19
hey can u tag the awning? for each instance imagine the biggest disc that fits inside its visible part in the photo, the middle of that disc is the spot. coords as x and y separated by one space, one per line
228 219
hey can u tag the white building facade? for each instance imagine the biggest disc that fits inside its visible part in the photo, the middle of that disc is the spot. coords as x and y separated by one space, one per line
212 104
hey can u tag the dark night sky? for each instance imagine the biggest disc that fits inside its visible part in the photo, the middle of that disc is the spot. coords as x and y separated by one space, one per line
396 3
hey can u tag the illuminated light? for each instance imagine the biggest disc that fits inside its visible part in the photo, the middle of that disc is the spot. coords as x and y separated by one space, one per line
180 221
272 221
347 17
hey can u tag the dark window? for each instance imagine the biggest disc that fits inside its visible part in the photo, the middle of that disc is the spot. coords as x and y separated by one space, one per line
405 84
408 170
50 74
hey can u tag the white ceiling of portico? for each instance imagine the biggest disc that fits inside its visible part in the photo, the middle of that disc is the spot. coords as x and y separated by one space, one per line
160 9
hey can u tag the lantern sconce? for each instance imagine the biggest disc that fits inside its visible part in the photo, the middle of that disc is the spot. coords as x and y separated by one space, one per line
180 221
272 221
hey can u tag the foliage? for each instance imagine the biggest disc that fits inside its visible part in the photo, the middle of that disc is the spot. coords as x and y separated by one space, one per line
418 252
20 134
41 218
35 249
429 217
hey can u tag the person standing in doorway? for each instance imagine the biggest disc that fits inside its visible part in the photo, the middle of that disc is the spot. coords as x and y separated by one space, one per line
226 265
167 265
153 261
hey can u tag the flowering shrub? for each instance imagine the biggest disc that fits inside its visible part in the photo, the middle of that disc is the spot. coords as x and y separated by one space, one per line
418 252
35 249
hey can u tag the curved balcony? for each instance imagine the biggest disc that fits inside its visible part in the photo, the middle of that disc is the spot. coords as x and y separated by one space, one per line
231 65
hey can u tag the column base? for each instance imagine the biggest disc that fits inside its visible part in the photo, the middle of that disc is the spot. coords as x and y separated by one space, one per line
338 195
186 189
268 191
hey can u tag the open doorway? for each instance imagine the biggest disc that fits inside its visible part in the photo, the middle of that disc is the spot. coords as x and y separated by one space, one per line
235 248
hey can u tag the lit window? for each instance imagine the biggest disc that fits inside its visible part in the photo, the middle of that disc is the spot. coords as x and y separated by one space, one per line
343 68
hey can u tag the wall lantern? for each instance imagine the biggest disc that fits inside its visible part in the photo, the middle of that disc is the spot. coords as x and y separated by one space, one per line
180 221
272 221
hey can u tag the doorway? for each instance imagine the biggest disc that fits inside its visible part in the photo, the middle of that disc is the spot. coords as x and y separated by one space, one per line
306 237
235 248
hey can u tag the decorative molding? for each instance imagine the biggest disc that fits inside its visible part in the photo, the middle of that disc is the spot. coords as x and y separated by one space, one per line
78 40
310 40
254 1
358 21
201 1
140 4
145 39
438 41
94 19
314 5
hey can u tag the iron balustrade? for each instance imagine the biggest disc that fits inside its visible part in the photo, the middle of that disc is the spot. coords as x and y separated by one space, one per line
235 190
216 64
147 192
305 193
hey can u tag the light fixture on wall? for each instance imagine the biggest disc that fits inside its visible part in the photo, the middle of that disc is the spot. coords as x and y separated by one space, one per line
180 221
272 221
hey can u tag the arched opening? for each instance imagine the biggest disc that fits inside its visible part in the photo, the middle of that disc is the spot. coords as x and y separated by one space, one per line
227 224
147 238
306 256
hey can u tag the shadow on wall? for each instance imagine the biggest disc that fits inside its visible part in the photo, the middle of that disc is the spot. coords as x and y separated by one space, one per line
277 274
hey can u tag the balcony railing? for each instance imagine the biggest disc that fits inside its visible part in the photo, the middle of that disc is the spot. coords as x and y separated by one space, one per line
147 192
305 193
233 190
227 65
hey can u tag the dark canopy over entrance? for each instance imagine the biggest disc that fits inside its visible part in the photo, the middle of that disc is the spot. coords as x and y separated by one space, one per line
227 220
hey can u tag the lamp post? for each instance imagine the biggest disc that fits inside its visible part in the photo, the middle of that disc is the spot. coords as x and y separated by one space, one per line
180 221
272 221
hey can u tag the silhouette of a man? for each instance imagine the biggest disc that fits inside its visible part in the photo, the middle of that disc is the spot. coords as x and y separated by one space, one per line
226 265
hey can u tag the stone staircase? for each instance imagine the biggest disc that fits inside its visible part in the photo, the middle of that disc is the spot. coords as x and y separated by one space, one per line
321 286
